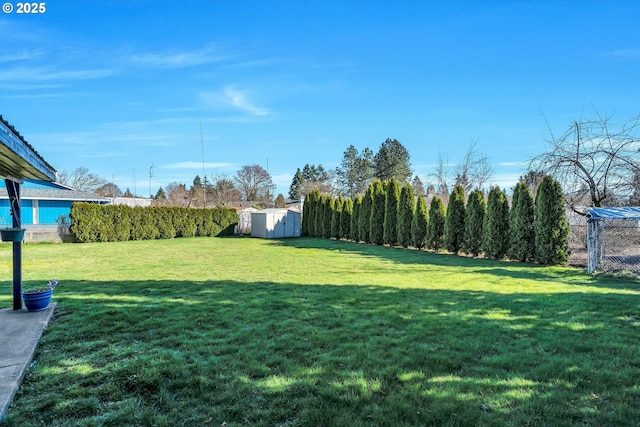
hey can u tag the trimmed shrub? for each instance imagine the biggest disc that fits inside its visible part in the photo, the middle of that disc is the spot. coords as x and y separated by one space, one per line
364 222
110 223
522 229
376 221
406 210
345 219
327 216
454 223
473 223
419 224
435 235
495 240
355 218
336 217
390 224
551 225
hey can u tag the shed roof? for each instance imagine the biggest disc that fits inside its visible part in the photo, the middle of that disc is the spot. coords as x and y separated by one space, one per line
18 159
595 214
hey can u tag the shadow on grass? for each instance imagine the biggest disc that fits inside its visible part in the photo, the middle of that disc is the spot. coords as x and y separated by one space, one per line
261 353
515 270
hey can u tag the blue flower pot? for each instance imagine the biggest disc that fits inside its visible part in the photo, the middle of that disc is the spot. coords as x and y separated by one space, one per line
37 301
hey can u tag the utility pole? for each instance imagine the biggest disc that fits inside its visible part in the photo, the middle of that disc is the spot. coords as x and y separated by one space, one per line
151 175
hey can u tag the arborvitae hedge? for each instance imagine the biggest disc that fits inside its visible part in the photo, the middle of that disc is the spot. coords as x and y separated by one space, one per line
495 241
392 199
419 224
406 209
376 221
435 234
355 219
551 225
454 224
522 229
364 223
327 216
336 217
111 223
345 219
473 222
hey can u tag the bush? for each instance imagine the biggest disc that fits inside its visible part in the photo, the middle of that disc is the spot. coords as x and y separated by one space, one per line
390 222
551 225
376 222
419 224
336 217
435 235
473 223
454 224
110 223
364 222
345 219
406 210
495 240
522 228
355 219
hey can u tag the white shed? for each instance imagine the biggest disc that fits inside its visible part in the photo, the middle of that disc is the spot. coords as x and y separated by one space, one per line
275 223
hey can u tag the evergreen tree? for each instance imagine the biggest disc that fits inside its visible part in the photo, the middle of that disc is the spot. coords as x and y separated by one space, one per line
355 171
295 189
307 209
376 222
327 216
355 219
160 195
551 225
454 224
280 202
473 222
345 219
364 222
495 240
319 215
390 225
336 217
419 224
406 210
522 229
392 161
417 186
435 235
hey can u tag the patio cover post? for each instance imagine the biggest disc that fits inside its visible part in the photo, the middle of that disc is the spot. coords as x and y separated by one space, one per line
13 188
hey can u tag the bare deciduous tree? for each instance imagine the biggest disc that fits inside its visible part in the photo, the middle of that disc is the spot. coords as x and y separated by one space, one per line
595 160
81 179
255 183
474 171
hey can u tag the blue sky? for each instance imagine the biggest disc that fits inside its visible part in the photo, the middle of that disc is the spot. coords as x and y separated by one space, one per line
119 86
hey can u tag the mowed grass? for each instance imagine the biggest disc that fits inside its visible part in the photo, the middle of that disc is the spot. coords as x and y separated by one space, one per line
309 332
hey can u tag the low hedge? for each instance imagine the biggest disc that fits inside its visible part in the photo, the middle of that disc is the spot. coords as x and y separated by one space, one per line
112 223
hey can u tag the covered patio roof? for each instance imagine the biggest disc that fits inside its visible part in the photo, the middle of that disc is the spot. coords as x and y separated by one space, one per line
18 159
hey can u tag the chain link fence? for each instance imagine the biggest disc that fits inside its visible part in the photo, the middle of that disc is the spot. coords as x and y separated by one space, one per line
610 245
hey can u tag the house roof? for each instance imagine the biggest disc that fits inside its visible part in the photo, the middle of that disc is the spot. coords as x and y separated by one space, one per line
18 159
54 194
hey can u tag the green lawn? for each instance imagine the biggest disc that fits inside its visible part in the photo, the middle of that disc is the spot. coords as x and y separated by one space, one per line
309 332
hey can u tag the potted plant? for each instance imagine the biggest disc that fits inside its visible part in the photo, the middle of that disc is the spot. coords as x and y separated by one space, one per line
10 234
37 299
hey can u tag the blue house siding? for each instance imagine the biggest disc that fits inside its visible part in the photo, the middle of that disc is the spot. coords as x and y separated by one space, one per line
49 210
5 213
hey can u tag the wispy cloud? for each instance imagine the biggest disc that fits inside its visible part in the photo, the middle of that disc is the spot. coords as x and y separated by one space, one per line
20 56
231 96
178 59
197 165
40 74
624 53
